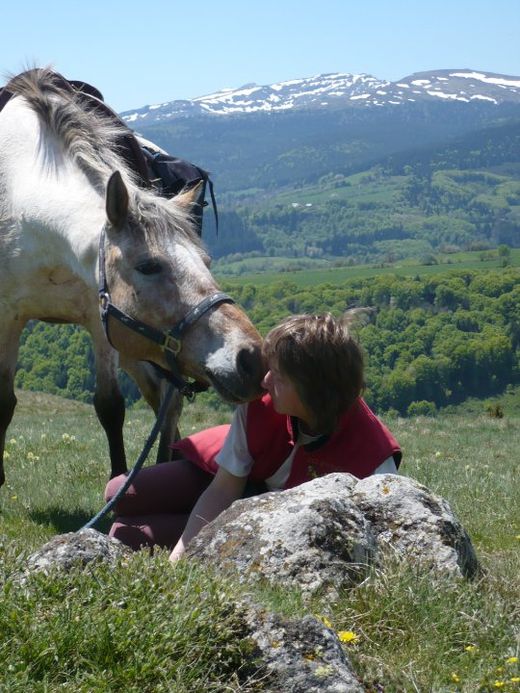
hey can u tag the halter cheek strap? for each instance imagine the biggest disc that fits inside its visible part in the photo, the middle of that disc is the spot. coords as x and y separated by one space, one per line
171 341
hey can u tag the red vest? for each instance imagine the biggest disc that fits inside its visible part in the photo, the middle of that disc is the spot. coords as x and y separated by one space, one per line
359 445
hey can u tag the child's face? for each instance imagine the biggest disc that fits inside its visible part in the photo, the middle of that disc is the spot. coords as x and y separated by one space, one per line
283 393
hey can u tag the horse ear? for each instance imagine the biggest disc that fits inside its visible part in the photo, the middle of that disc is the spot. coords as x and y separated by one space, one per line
116 200
189 197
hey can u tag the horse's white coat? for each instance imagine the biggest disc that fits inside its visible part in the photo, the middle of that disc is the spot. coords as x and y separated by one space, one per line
52 211
48 206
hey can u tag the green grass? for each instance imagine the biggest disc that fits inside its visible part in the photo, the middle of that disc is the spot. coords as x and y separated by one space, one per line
339 275
358 188
148 627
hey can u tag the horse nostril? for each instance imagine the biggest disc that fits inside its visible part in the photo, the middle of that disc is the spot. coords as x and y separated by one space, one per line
249 363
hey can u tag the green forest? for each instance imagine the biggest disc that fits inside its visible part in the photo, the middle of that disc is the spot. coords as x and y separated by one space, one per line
430 341
464 196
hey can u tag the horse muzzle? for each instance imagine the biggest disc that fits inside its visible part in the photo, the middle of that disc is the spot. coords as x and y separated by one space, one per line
241 383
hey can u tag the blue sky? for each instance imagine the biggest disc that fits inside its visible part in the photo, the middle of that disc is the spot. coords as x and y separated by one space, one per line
140 53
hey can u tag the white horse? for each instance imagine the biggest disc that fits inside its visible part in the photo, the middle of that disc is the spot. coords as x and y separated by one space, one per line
63 186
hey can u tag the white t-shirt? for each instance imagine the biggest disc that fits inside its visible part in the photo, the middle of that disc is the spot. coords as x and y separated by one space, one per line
236 459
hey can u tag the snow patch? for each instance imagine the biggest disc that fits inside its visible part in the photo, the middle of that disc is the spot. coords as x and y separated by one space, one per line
488 80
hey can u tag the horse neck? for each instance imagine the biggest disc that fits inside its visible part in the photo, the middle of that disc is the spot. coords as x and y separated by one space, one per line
54 198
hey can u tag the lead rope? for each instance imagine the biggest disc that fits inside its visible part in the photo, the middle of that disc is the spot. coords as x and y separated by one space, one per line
140 461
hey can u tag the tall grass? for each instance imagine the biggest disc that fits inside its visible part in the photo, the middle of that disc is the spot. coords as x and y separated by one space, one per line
149 627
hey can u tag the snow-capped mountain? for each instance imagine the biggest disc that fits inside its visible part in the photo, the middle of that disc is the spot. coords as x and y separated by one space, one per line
339 90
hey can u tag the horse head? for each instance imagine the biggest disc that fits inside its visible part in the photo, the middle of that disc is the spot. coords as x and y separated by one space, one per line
157 271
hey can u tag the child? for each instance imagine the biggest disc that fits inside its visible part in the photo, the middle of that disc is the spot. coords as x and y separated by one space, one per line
311 421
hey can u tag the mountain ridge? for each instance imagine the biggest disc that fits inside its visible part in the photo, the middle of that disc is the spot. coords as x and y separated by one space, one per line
337 90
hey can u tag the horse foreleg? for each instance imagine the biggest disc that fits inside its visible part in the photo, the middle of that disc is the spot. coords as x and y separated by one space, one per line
9 348
109 404
7 405
110 410
154 388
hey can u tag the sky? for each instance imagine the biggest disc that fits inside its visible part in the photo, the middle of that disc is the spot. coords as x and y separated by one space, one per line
142 53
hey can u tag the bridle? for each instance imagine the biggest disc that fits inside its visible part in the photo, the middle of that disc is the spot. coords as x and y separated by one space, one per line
169 342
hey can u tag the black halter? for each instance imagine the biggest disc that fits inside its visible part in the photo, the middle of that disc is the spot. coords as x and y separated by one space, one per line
171 341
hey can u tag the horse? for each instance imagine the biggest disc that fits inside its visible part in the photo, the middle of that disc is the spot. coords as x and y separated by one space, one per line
78 234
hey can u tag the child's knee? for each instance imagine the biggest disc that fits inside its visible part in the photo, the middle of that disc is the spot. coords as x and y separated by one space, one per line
131 534
113 486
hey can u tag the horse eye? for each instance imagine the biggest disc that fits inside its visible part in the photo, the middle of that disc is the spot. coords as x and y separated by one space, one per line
149 267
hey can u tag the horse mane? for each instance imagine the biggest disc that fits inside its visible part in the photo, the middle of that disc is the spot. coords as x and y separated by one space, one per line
90 138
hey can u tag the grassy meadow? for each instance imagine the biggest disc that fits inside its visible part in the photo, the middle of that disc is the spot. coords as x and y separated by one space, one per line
150 627
321 271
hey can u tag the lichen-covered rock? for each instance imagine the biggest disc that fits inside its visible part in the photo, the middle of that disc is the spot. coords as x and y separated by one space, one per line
325 533
307 537
289 655
414 524
298 654
75 549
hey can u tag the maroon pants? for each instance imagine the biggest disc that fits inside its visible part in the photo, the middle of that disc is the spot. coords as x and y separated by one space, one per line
156 506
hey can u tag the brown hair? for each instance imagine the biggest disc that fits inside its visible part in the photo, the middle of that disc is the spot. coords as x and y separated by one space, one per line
323 361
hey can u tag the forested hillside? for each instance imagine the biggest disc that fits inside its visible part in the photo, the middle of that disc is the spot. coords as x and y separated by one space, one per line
257 153
465 195
431 341
356 185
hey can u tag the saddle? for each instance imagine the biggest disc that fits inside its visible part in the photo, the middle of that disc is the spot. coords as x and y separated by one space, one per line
155 169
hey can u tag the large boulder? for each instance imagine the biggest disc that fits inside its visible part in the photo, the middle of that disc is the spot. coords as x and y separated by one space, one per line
410 522
307 537
327 532
298 654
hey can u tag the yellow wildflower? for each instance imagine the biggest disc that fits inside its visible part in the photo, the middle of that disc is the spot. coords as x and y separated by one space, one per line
514 679
470 648
455 677
511 660
347 636
499 684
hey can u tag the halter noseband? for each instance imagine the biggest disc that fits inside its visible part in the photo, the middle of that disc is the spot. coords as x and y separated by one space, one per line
171 341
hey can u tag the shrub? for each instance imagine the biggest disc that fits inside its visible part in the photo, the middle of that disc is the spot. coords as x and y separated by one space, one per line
422 408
